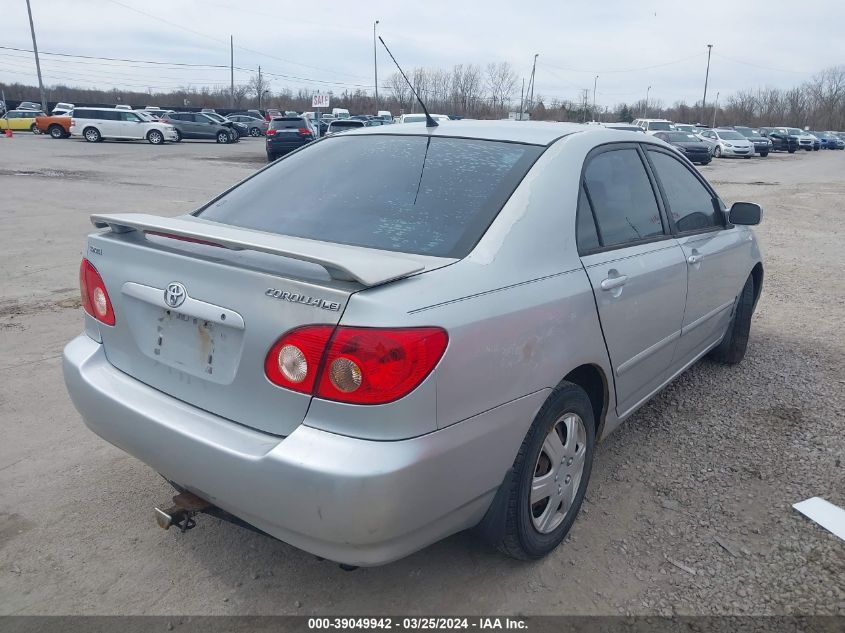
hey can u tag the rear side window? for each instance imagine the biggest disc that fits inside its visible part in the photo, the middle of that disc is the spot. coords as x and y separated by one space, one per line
690 203
623 199
413 194
585 227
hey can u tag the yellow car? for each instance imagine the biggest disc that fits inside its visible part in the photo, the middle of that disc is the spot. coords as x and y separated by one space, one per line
20 120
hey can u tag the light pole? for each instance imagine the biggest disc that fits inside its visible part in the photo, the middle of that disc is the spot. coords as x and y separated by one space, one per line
595 81
375 62
706 77
645 112
37 62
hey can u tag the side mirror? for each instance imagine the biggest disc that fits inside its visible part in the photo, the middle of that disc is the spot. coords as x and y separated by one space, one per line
746 213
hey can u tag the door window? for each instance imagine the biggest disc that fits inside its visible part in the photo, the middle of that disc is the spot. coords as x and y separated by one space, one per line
690 203
585 225
622 198
129 116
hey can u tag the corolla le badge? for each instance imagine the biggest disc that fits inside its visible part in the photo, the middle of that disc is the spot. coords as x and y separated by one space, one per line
174 294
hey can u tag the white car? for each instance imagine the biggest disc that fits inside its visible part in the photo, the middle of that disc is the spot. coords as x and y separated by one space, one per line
650 126
96 124
62 108
420 118
727 143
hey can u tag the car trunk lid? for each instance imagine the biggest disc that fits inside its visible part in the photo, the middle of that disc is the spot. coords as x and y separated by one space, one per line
198 305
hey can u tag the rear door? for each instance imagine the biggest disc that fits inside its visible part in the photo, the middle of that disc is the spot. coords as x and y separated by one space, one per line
636 269
712 252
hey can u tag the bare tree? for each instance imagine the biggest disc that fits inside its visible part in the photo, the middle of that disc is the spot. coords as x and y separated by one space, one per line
501 82
258 86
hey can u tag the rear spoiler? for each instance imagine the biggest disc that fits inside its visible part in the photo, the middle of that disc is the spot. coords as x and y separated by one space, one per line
367 266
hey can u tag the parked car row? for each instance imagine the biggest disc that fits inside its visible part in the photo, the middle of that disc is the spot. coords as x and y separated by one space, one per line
737 140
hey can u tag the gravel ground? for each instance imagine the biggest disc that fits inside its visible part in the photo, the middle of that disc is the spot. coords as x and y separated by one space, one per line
688 512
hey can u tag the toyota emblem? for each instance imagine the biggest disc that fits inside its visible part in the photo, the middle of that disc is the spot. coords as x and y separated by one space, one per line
174 294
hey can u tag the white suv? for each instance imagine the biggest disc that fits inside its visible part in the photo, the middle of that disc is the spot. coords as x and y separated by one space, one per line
650 126
96 124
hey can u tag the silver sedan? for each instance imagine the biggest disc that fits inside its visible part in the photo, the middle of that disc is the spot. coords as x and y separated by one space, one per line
434 342
254 125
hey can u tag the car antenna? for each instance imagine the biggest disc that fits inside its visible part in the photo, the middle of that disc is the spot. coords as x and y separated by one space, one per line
429 122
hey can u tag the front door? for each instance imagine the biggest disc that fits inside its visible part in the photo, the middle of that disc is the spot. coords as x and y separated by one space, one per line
637 271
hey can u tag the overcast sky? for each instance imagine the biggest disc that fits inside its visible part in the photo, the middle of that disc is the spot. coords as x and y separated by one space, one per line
629 44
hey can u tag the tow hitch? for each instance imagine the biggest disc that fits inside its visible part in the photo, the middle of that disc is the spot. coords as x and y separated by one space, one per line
181 513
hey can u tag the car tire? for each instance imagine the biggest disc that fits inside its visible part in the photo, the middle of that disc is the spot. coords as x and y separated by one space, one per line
254 131
223 136
92 135
56 131
533 529
764 154
154 137
717 153
271 157
791 151
34 129
732 348
749 156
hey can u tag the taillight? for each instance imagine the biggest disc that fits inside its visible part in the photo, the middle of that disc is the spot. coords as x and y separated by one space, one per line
95 297
270 132
355 364
304 131
73 122
294 359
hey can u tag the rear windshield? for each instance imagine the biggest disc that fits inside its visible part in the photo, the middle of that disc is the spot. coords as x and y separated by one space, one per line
284 124
432 196
660 125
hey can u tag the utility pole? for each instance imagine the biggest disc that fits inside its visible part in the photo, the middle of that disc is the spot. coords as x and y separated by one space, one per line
706 77
645 112
595 81
232 71
586 95
522 100
375 62
37 61
715 107
533 70
260 87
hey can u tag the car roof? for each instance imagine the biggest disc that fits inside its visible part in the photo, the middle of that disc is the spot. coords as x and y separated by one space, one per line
532 132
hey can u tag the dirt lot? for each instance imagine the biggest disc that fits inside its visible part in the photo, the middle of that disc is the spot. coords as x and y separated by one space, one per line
689 510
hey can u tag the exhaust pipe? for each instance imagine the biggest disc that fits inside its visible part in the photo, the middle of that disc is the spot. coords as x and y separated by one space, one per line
181 513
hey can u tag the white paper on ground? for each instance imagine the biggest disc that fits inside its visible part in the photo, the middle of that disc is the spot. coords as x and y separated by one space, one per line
829 516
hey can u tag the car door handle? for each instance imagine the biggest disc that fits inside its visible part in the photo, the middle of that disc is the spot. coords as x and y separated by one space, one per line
693 259
613 282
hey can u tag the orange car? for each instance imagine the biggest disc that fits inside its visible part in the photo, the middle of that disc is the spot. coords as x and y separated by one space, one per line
55 126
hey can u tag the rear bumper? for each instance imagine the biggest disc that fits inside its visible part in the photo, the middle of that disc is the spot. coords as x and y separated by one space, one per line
283 147
354 501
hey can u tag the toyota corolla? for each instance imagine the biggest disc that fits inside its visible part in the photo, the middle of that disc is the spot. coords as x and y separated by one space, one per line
434 342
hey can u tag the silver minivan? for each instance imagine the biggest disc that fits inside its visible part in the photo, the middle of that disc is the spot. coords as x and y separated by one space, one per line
435 342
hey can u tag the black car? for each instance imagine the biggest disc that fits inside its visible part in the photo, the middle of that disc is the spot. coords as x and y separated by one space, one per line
688 144
762 145
782 140
198 125
285 134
